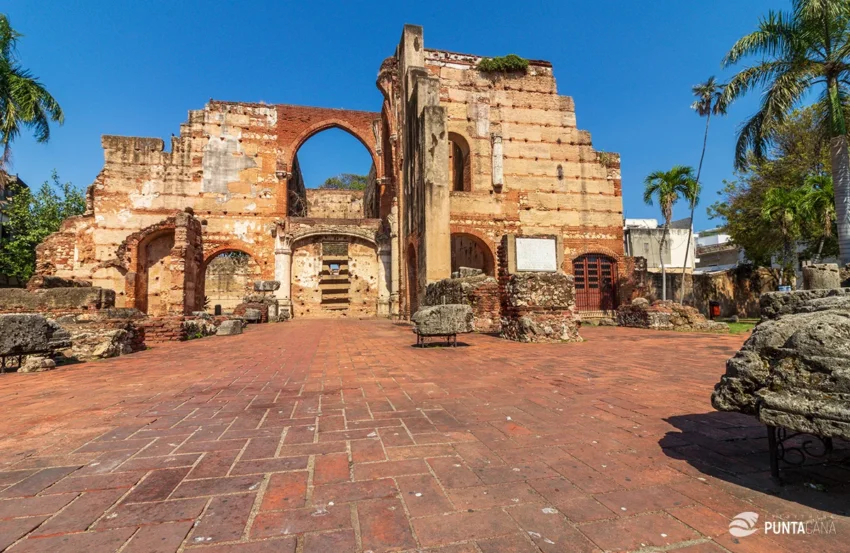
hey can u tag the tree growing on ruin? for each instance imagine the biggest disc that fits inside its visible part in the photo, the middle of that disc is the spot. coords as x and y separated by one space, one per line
345 181
31 217
24 102
667 187
801 53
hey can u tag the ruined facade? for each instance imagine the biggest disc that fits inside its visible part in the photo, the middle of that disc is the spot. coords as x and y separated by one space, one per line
460 158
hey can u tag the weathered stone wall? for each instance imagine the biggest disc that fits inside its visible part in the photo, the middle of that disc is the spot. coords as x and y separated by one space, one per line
362 288
335 204
228 278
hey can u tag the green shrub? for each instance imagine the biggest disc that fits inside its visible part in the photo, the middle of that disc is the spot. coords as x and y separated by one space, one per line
504 64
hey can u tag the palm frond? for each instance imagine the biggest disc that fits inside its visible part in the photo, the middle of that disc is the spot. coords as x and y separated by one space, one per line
775 35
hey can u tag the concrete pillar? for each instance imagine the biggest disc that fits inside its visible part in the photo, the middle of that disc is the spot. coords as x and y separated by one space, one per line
498 163
283 272
395 260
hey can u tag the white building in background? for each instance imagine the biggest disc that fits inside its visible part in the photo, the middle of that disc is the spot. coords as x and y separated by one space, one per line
643 239
716 252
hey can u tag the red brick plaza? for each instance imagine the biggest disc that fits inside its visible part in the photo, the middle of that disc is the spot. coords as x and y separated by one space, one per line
336 436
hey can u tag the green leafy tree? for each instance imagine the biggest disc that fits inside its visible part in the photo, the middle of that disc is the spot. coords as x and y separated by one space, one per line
799 53
667 187
818 208
24 102
797 154
783 207
345 181
31 218
708 103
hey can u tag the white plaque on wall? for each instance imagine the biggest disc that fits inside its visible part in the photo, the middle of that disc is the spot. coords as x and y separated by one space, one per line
536 254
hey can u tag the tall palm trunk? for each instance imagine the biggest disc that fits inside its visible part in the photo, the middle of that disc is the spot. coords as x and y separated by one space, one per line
840 160
663 267
694 206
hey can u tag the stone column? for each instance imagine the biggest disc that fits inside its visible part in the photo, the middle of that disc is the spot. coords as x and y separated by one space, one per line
283 272
498 170
394 261
384 261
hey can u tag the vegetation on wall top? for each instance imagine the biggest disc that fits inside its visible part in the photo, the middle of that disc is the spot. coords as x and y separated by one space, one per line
503 64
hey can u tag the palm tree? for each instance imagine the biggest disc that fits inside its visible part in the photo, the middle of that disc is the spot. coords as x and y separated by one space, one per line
24 102
783 207
818 204
799 52
667 187
708 103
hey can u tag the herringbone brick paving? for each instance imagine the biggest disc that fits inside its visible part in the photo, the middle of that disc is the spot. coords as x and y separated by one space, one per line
338 436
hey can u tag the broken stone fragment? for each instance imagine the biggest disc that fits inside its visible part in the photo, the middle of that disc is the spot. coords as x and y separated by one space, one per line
443 319
36 364
229 328
23 334
266 285
253 315
794 370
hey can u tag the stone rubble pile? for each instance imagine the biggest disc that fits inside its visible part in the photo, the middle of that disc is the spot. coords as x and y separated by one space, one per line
666 315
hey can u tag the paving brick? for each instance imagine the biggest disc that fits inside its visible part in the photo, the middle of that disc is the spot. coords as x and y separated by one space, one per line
13 529
31 485
479 525
452 472
330 468
512 543
214 463
497 495
30 506
258 466
225 519
157 485
283 523
371 471
702 519
631 502
96 482
649 530
152 513
330 542
384 526
549 530
354 491
423 495
79 515
158 538
108 540
286 490
368 450
217 486
283 545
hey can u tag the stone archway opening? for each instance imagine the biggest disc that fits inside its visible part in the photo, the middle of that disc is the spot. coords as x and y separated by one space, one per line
470 251
228 278
333 176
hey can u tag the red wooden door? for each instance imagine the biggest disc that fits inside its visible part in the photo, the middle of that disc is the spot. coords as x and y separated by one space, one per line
596 282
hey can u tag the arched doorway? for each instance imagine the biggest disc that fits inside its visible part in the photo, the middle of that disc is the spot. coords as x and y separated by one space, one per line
154 262
412 283
460 174
228 278
596 282
470 251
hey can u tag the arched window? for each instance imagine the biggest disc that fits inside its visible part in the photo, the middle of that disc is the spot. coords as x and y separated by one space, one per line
470 251
460 175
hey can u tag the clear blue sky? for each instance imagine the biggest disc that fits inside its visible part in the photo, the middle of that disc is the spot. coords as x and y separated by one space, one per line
136 68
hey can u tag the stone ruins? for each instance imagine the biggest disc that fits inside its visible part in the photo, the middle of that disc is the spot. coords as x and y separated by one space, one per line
461 158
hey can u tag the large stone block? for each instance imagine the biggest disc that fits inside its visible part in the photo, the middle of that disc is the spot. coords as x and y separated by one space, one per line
229 328
38 282
794 370
539 307
441 320
776 304
56 299
23 334
821 276
666 315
